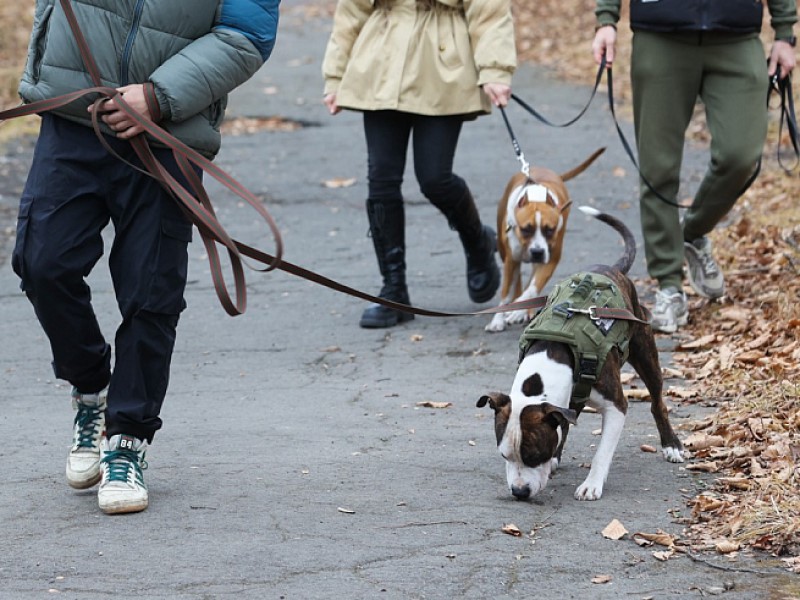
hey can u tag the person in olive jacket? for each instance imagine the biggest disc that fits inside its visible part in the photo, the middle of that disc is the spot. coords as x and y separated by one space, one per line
174 62
421 66
684 50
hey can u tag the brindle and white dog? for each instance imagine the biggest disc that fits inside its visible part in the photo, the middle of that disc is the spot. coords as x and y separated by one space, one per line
532 421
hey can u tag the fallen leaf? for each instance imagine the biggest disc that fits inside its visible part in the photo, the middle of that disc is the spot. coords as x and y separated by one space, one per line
726 547
702 342
661 538
704 467
701 441
614 530
511 529
431 404
647 448
601 579
346 511
663 555
339 182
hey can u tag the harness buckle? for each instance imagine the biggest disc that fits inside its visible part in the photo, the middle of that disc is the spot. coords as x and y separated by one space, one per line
587 368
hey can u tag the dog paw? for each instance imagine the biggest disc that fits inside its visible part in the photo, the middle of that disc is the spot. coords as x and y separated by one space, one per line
515 317
589 491
498 323
672 454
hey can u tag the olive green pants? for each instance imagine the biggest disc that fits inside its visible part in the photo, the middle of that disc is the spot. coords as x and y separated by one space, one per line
669 72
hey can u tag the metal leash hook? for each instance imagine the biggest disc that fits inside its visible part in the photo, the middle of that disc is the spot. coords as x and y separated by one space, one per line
525 166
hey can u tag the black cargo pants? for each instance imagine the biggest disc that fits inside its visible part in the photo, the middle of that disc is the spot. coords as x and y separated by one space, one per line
74 188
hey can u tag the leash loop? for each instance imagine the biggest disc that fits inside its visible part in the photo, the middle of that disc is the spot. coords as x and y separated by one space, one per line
783 87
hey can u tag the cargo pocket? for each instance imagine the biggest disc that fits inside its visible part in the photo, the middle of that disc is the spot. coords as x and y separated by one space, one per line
18 254
169 279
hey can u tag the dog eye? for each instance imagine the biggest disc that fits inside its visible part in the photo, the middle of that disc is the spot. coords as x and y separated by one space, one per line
548 232
527 231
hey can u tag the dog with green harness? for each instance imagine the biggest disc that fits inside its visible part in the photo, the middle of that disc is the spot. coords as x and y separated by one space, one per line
571 355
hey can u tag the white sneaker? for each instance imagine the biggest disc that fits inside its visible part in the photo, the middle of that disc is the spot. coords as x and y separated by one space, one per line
122 489
671 310
702 270
83 462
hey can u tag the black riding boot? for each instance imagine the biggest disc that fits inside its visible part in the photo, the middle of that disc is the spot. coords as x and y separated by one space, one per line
480 244
387 226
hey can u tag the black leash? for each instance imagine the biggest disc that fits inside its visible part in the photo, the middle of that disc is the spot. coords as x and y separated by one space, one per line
783 87
547 121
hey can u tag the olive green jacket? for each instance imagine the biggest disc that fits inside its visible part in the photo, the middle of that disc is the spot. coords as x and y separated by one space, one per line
783 15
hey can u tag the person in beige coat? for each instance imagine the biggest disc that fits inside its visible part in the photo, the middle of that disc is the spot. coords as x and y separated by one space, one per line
421 66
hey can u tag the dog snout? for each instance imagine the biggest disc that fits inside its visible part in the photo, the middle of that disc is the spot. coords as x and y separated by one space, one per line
537 255
521 492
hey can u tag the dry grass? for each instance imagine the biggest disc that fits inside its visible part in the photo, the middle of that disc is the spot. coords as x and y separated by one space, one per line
15 26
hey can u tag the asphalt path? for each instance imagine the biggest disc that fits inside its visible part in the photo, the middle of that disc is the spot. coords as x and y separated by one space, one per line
297 460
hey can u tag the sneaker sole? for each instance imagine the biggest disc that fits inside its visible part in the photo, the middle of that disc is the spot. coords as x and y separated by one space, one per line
82 484
120 508
680 322
701 291
693 282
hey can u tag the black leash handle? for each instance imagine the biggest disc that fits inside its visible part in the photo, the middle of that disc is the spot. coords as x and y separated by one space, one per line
783 87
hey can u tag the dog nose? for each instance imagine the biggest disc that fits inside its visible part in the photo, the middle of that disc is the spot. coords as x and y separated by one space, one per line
537 255
520 492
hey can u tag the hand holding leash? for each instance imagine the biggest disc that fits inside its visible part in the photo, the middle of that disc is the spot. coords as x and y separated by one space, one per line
605 44
117 119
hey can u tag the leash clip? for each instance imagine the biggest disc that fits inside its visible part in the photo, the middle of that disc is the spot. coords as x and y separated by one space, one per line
591 312
525 166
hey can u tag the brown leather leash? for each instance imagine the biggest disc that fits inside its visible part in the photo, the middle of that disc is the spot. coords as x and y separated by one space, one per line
198 208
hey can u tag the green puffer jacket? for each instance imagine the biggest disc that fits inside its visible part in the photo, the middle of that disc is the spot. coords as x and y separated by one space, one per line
194 52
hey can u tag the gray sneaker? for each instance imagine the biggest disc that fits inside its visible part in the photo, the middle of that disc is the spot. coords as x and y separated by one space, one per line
123 489
671 310
83 462
704 274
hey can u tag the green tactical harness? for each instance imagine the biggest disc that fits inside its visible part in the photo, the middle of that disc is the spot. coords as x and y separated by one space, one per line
569 317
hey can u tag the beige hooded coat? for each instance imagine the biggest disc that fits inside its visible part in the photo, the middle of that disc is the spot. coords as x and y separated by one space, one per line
427 57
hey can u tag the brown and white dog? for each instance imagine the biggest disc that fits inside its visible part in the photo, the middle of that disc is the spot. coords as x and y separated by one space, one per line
532 421
531 221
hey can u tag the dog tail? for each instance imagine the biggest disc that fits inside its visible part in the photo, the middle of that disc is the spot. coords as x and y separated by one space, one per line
629 255
574 172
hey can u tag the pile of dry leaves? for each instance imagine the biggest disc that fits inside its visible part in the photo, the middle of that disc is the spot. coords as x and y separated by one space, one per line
741 355
744 356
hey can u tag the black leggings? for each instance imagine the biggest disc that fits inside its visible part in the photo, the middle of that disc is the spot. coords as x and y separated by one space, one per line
435 139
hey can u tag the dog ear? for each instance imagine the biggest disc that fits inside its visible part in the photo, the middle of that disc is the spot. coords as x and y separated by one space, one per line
496 400
561 415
